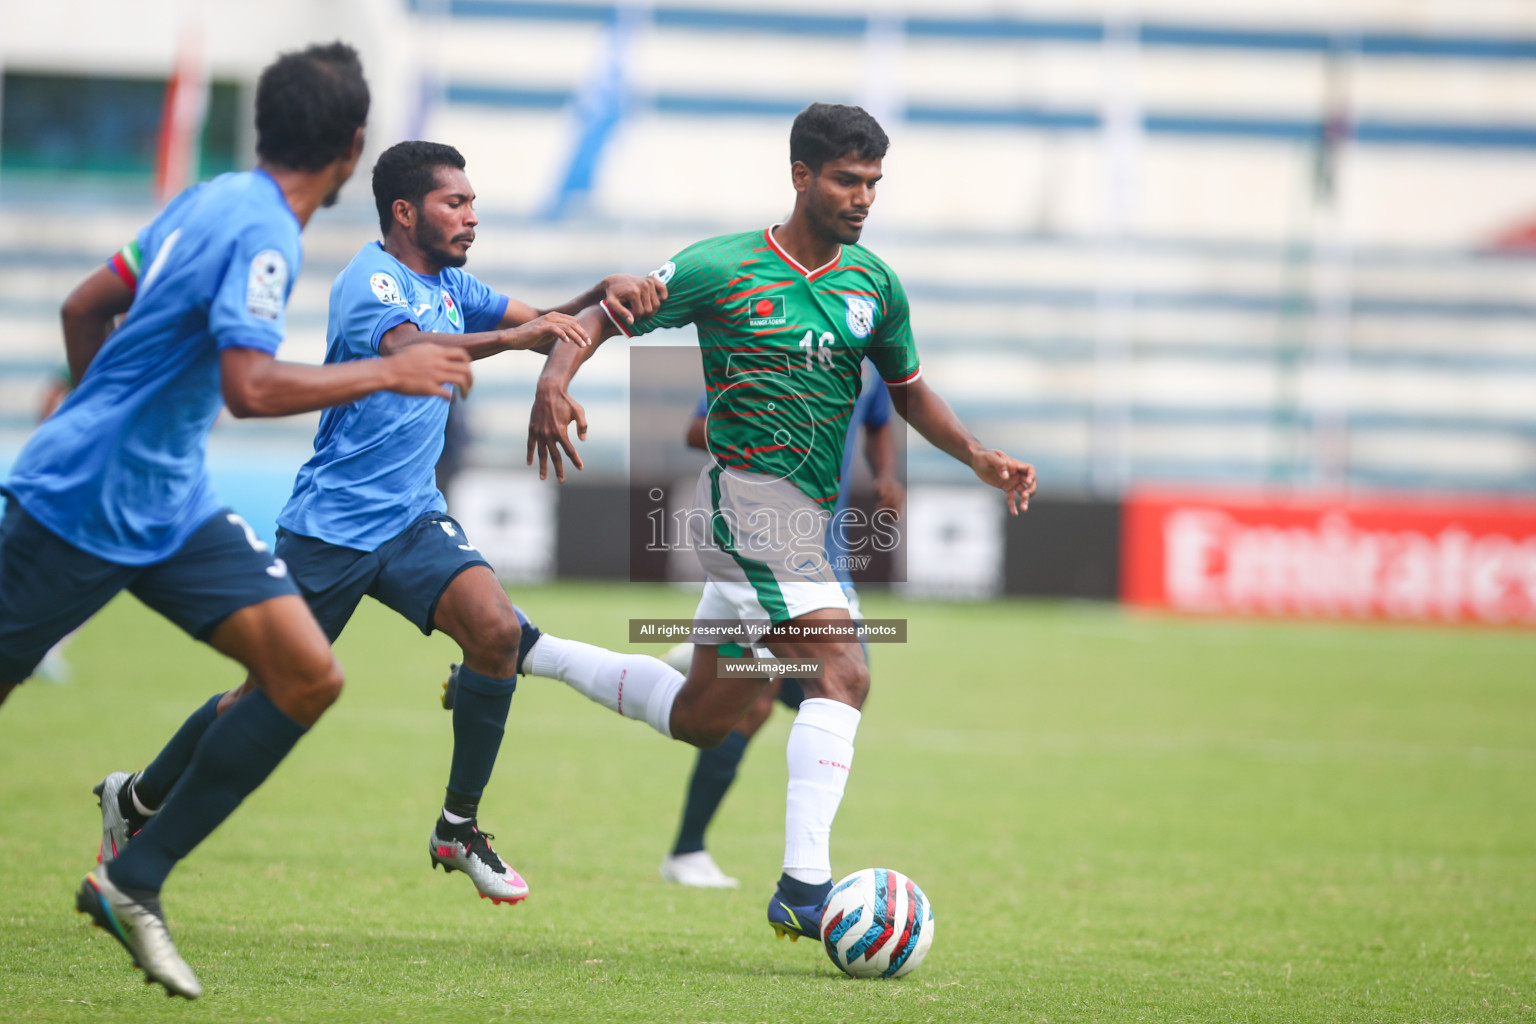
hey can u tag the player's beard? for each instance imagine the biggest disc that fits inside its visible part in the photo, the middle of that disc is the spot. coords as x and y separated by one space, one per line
331 199
435 244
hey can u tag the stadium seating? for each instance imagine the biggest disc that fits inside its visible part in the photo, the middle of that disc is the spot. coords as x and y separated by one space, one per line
1155 317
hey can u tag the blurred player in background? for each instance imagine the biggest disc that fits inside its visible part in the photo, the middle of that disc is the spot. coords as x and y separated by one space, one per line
785 316
715 769
366 515
112 492
55 666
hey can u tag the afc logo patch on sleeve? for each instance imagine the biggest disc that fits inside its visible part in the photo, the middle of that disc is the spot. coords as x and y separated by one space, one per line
664 272
385 288
265 289
861 315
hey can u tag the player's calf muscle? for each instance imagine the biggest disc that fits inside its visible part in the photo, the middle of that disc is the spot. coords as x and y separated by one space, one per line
846 678
709 707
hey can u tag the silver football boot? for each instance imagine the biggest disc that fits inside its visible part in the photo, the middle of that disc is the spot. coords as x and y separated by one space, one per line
140 926
495 879
114 826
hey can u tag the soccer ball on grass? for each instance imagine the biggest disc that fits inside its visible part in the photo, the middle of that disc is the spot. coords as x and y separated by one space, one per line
877 924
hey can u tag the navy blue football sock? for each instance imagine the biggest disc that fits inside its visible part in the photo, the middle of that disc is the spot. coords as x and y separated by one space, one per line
713 774
802 894
236 755
154 783
479 719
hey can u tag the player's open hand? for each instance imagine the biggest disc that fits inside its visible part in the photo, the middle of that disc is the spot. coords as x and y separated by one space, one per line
545 332
633 298
1007 474
429 370
553 411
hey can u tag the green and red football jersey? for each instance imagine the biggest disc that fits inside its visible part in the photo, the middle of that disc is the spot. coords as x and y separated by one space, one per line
782 348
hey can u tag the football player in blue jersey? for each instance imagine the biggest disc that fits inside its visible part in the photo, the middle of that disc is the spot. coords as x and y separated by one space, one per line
366 515
112 492
714 770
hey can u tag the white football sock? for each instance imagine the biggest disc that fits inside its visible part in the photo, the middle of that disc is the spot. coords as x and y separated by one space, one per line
819 755
635 685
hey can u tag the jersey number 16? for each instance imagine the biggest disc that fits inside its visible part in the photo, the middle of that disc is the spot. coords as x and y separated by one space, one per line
823 349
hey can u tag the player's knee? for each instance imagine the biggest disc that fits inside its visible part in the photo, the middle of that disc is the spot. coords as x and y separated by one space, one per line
306 687
319 685
846 681
493 643
329 683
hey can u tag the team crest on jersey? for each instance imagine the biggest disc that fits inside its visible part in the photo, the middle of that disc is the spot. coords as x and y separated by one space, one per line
664 272
765 311
453 310
861 315
266 286
387 291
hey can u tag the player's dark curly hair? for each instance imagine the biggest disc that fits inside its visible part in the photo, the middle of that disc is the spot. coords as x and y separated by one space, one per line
830 131
309 105
408 170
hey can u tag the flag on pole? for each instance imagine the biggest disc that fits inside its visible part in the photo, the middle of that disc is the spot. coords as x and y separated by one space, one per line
600 106
181 121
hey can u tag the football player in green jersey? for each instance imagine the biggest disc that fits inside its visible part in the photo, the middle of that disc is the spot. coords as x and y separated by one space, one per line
785 316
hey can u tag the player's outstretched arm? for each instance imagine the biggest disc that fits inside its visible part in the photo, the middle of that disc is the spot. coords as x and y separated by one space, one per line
255 384
88 314
553 407
539 333
629 297
932 417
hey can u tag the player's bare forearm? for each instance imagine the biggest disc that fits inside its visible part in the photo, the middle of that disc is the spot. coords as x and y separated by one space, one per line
478 345
553 407
932 417
88 314
538 334
257 385
566 357
630 297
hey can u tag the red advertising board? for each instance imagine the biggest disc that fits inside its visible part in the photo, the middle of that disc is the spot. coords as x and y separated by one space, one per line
1379 558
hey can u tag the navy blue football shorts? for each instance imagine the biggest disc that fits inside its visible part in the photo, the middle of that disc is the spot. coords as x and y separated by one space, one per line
407 573
48 587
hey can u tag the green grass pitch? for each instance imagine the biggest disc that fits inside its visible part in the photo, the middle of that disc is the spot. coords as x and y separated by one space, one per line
1116 817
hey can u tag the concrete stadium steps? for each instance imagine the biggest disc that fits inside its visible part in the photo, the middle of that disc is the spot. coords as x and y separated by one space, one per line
1009 100
1221 381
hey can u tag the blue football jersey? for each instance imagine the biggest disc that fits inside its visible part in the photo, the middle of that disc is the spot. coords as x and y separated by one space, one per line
119 469
372 472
